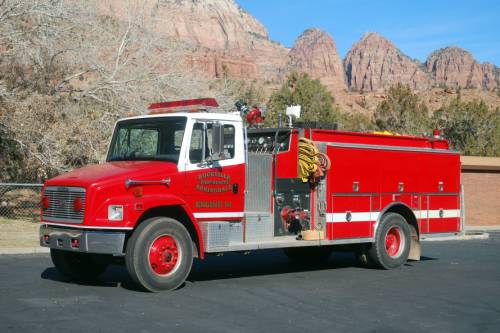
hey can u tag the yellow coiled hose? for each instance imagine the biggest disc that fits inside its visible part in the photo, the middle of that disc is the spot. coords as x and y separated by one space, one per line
312 163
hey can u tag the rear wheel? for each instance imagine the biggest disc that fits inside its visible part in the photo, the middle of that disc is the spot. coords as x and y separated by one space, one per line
159 254
392 242
77 266
308 255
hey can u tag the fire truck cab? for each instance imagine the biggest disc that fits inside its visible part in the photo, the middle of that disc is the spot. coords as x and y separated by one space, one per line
179 184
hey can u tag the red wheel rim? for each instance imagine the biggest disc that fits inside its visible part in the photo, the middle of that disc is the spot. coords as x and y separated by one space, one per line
393 242
164 255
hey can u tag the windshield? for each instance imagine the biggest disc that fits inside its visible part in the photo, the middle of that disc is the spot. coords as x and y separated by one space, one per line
157 139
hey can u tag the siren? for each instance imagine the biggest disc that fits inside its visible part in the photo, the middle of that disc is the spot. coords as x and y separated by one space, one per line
188 105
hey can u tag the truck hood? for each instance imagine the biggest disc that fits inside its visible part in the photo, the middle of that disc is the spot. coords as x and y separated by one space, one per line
114 171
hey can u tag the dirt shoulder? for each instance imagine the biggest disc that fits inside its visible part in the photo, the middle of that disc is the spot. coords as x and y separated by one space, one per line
19 236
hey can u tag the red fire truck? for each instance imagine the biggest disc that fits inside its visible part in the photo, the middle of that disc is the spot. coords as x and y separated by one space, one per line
185 181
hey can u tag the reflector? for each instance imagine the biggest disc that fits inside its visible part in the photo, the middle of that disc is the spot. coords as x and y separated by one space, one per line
77 204
45 203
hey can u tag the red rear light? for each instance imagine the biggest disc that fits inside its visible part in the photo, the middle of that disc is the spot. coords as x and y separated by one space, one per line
77 204
45 203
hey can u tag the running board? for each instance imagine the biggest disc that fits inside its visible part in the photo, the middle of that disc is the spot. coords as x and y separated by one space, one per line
283 242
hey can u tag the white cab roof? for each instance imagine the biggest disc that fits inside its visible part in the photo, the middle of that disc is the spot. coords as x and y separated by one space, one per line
193 115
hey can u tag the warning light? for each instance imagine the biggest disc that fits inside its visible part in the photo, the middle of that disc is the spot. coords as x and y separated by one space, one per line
188 105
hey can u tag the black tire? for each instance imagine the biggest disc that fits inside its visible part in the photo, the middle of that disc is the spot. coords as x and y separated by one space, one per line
178 255
309 254
363 257
82 267
393 256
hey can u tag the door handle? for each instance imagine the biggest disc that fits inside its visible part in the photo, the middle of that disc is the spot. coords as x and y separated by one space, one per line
235 188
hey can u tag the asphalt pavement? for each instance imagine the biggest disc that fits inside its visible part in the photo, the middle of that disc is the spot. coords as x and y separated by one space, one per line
455 288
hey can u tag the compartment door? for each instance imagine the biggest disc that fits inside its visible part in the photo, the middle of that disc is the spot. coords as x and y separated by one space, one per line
351 217
443 213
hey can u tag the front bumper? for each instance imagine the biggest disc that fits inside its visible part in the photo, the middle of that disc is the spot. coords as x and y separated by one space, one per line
104 242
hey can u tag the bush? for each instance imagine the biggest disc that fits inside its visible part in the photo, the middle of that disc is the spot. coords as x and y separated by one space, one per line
300 89
356 122
471 127
402 112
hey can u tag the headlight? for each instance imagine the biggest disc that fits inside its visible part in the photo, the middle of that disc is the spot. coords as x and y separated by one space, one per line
115 212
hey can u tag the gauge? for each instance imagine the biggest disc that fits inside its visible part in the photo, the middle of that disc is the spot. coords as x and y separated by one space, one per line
262 140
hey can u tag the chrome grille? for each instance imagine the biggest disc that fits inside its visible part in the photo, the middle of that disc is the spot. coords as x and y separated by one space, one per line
61 204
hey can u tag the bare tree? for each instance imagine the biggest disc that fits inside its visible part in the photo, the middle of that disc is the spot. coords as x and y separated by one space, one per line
68 71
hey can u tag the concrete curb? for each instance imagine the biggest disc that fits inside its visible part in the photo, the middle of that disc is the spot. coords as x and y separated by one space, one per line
24 250
483 228
467 236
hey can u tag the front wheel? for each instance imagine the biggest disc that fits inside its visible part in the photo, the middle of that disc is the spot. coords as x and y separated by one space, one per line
77 266
159 254
392 242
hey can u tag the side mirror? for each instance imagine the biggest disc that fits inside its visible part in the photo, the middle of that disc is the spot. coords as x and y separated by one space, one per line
217 141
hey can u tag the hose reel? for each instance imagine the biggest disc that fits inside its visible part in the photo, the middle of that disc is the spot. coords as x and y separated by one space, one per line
312 163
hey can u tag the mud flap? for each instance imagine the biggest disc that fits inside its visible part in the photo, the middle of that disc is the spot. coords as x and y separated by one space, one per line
415 249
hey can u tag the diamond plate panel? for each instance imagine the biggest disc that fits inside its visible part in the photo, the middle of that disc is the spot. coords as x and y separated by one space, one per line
259 227
258 183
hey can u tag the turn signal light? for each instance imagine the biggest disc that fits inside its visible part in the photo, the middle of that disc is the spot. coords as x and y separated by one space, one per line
77 204
45 203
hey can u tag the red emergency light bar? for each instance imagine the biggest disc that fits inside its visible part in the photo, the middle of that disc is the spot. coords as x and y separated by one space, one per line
188 105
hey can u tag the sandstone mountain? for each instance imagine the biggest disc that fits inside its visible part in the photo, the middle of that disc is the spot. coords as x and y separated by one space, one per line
374 63
222 40
315 53
455 67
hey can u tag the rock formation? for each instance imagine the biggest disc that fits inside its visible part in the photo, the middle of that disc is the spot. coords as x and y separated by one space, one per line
223 39
374 63
222 34
315 53
457 68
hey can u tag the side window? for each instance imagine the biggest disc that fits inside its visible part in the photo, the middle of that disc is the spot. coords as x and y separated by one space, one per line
200 137
228 141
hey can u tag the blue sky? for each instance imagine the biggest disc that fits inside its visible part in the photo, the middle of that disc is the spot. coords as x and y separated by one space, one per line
416 27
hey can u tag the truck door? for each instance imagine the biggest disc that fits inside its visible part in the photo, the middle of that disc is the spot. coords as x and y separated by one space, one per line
215 189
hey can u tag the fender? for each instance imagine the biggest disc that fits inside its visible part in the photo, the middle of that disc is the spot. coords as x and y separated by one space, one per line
387 208
166 200
415 249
